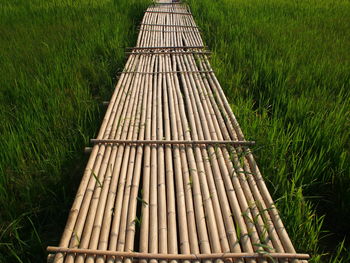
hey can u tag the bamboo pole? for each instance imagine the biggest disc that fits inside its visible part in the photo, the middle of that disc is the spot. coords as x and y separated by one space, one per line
194 142
178 256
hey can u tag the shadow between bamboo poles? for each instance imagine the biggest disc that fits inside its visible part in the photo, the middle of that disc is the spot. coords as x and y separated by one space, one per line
144 228
146 196
190 212
162 208
180 194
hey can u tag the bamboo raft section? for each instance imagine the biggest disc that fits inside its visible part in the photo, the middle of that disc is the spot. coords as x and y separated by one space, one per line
170 176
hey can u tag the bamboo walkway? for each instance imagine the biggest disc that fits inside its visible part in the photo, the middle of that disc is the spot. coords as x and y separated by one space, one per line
170 176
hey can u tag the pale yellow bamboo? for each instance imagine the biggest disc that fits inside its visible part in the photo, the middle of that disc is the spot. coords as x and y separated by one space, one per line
178 256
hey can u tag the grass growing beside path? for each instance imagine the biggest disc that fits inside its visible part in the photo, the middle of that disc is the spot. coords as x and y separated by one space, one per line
285 66
58 59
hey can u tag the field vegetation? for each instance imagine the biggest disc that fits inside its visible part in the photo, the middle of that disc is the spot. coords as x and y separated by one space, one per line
285 67
58 61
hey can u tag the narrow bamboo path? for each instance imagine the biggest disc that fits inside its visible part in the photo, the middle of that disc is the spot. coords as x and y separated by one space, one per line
170 176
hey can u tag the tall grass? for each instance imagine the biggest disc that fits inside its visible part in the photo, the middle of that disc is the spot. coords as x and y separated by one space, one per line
58 59
285 66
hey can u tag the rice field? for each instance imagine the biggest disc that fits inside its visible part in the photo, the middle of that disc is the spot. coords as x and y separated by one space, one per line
284 66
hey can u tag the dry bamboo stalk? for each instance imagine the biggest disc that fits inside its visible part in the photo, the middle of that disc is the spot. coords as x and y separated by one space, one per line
166 25
166 47
169 172
178 256
194 142
168 12
138 53
162 209
164 72
153 228
165 31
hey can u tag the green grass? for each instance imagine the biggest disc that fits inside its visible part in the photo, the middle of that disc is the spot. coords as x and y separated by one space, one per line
58 60
285 67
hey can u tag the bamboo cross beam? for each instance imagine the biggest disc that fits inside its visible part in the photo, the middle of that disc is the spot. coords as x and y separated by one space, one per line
168 25
166 47
201 142
169 53
173 3
166 31
176 256
166 72
168 12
